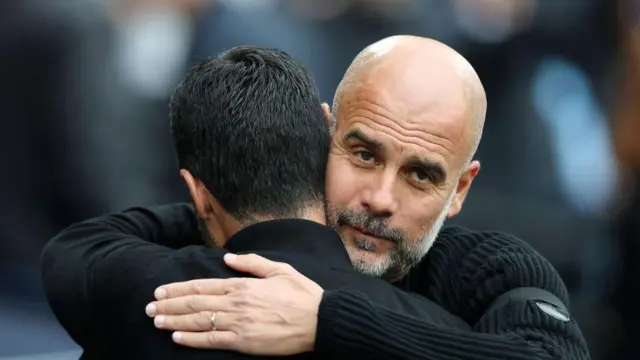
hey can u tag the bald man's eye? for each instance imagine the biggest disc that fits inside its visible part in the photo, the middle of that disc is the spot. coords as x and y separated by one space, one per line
365 157
420 176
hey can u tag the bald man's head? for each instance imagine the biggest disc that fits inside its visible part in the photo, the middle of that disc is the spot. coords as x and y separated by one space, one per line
409 115
420 75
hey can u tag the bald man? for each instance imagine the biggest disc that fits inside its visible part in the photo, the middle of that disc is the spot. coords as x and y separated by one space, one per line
409 113
407 119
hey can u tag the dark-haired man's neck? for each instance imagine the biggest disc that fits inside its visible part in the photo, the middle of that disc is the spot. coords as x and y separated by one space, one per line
217 224
217 229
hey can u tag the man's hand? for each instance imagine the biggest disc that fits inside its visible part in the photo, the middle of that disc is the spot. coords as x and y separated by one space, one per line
275 315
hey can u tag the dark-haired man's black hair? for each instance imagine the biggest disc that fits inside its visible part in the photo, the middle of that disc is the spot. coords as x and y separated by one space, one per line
249 124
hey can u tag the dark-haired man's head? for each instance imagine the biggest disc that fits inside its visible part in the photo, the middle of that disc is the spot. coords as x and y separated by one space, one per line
251 139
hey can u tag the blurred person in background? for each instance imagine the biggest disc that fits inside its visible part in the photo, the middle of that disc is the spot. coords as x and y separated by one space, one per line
55 93
54 82
151 42
458 101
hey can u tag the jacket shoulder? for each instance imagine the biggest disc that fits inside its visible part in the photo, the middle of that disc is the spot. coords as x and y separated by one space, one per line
476 267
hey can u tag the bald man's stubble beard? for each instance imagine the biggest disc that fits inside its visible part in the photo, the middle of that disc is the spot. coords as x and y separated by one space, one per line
397 262
405 254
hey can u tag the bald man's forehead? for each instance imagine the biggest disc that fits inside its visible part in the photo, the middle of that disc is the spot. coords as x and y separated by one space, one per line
366 100
418 80
411 95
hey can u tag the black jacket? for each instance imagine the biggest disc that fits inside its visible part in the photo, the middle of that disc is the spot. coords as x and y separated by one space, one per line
464 272
98 284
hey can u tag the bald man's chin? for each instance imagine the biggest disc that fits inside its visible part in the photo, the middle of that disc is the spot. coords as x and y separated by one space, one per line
369 262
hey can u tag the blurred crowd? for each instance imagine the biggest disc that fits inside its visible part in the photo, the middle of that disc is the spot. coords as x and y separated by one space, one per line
84 86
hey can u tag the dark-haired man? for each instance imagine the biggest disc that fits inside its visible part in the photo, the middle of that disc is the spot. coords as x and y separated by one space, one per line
236 121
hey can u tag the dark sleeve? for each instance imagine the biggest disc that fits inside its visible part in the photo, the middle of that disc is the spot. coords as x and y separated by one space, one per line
173 225
96 263
466 272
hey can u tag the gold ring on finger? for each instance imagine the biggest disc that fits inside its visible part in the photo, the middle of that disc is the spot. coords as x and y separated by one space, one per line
213 321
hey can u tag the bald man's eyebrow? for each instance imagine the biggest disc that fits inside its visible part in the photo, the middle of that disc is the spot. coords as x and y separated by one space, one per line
358 135
434 170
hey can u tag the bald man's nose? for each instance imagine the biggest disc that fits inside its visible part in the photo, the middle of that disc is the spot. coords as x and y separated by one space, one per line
380 199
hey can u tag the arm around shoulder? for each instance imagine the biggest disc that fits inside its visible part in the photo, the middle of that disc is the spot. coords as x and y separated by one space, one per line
102 254
465 272
480 268
350 325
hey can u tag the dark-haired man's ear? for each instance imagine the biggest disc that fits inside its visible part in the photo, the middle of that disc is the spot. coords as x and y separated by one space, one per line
217 223
327 114
198 193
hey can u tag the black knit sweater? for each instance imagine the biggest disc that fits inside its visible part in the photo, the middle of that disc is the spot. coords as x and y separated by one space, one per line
464 272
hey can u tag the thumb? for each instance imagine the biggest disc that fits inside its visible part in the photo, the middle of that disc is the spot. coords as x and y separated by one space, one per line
253 264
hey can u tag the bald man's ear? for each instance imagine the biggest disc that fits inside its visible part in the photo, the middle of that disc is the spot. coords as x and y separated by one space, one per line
461 191
326 109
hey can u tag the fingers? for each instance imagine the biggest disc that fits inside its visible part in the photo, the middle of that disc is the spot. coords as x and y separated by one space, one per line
194 322
256 265
222 340
200 286
188 305
251 263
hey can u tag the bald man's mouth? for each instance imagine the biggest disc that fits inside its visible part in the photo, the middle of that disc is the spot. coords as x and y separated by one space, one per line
362 231
366 233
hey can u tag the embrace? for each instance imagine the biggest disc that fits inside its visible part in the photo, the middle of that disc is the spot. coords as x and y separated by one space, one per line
314 231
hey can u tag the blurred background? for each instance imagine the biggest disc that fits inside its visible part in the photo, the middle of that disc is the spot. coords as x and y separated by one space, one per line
84 86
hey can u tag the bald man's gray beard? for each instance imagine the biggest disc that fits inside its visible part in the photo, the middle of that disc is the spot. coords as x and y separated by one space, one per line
398 260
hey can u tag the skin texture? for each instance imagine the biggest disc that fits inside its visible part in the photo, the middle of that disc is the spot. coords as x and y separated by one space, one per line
408 117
